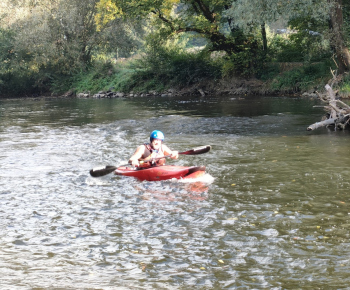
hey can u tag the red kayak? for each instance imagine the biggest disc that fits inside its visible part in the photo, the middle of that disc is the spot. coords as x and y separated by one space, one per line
161 172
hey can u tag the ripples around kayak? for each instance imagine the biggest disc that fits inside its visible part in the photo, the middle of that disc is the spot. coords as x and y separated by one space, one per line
271 212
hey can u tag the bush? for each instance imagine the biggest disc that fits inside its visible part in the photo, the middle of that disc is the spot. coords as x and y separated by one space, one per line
345 86
99 76
164 66
243 63
268 71
303 77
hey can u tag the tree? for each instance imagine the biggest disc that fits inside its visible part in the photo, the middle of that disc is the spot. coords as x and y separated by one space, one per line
256 14
253 13
337 36
204 17
63 35
52 39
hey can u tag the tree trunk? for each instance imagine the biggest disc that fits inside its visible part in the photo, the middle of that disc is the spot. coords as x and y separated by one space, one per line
323 123
263 34
337 37
339 116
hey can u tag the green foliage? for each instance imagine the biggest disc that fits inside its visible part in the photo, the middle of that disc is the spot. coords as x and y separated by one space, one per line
289 52
309 38
98 77
246 60
47 45
17 85
268 71
252 13
207 19
303 77
298 46
345 86
57 45
238 64
346 23
14 78
163 66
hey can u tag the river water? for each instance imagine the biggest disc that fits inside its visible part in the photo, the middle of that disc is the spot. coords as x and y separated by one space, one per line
272 212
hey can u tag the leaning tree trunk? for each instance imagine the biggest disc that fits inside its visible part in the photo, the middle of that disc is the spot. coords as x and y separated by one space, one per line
338 113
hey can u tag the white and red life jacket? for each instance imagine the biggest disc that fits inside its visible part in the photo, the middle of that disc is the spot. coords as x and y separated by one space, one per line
151 153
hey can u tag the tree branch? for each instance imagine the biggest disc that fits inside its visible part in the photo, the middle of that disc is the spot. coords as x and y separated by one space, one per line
167 21
205 10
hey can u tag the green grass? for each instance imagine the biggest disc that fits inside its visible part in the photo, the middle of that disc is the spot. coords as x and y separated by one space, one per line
302 78
344 87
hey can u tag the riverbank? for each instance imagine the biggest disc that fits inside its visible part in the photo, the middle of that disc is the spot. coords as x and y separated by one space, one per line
235 87
286 79
242 87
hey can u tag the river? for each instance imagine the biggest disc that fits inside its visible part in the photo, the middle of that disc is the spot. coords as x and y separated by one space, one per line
272 211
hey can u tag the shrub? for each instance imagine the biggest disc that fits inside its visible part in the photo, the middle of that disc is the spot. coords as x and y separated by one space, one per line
303 77
345 86
164 66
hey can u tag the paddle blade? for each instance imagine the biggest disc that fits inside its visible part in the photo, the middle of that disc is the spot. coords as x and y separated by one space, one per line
197 150
97 172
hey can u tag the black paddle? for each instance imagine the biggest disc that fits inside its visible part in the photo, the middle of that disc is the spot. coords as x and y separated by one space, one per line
97 172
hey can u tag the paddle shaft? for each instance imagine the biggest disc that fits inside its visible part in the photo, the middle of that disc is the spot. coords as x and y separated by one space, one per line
194 151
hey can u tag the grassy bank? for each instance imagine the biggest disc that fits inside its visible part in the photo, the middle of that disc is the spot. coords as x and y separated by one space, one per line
209 75
184 73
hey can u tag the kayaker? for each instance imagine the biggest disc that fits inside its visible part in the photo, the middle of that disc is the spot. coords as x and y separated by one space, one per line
151 150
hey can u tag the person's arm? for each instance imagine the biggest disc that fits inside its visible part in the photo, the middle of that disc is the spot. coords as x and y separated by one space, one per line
134 159
167 151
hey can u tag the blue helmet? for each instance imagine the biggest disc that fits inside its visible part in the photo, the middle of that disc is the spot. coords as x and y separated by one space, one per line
156 135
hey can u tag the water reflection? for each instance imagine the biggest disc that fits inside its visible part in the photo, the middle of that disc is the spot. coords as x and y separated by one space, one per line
272 213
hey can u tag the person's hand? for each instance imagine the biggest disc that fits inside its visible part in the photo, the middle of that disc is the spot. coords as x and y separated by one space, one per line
134 163
174 155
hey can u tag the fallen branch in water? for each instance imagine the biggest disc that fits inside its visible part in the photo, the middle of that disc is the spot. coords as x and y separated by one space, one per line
338 113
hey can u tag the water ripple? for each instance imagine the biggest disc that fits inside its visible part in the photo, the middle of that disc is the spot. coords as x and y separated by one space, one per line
271 212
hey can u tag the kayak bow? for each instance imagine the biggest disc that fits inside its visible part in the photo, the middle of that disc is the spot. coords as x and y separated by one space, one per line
161 172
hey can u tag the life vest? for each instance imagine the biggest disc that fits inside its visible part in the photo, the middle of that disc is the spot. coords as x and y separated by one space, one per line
151 153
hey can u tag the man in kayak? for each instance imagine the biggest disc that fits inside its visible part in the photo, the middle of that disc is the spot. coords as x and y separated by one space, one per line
154 149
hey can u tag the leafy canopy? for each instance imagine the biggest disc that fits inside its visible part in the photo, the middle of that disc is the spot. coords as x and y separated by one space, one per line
202 17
